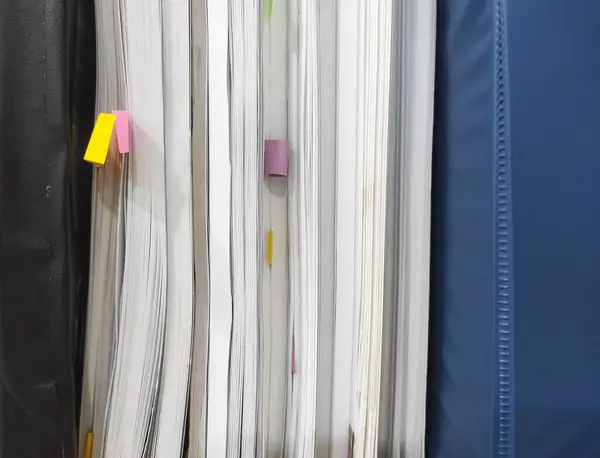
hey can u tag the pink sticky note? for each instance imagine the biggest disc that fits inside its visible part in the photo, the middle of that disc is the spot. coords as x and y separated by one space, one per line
122 130
276 158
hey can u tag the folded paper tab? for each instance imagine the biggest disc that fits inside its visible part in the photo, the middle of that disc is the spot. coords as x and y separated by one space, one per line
122 131
89 440
270 247
97 148
276 158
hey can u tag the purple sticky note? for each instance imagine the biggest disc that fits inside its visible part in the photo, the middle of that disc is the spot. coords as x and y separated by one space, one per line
122 130
276 158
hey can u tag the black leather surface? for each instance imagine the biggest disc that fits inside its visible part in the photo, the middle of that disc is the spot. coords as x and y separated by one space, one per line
83 117
45 112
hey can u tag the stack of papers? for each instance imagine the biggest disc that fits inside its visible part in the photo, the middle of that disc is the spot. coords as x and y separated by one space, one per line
140 317
107 238
372 155
415 62
327 63
233 313
175 371
385 120
273 326
346 222
245 216
219 229
135 379
303 220
198 379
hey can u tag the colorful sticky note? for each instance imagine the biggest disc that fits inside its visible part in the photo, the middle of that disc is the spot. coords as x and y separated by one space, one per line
89 440
122 130
277 154
270 252
100 140
269 8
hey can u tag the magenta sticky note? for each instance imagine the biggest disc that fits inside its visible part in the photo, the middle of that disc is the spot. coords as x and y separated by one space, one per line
122 130
277 157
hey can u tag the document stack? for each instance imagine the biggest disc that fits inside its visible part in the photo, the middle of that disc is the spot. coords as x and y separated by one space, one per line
414 40
261 217
140 313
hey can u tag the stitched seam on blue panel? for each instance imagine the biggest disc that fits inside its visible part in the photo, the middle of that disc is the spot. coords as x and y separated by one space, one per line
504 398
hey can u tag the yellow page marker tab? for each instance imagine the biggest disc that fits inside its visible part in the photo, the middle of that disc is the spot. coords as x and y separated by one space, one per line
89 440
270 252
100 140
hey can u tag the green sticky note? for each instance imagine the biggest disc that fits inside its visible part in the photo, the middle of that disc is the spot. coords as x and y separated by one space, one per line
269 8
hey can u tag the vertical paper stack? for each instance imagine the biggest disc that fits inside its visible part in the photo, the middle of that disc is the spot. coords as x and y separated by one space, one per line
246 238
259 306
140 316
303 220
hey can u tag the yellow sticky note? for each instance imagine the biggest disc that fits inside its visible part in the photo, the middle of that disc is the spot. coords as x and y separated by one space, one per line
270 252
89 439
100 140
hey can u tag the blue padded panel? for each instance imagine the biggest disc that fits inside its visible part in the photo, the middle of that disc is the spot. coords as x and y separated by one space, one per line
517 98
